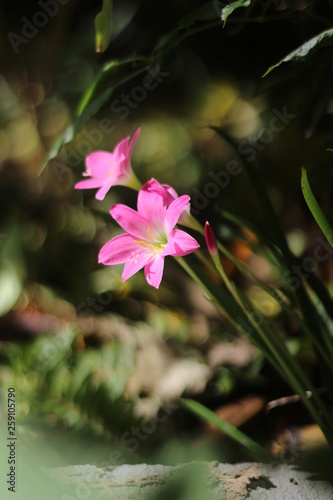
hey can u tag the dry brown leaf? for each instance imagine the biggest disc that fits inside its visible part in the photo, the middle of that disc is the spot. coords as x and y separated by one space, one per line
241 411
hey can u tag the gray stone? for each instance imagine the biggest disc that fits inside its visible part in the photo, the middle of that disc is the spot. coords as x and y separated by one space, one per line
224 481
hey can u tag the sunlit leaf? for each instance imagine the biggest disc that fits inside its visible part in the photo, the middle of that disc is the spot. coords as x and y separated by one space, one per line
88 96
228 9
12 271
103 22
315 208
308 48
10 288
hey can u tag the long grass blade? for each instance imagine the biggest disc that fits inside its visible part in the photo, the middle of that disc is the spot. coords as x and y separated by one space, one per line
256 451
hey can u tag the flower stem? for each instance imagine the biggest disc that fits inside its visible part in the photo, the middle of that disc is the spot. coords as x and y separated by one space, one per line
134 183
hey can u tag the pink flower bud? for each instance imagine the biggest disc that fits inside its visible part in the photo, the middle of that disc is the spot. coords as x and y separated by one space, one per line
210 239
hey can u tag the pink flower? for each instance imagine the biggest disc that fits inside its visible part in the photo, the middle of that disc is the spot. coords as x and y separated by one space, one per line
168 195
167 192
150 236
107 169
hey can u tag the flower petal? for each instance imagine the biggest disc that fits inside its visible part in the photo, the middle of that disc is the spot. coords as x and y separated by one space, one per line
171 192
132 222
135 263
117 250
101 164
151 206
154 271
89 184
174 211
133 140
100 195
125 150
210 239
180 243
167 192
121 150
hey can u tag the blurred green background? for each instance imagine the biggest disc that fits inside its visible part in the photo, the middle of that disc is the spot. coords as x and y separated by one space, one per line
95 362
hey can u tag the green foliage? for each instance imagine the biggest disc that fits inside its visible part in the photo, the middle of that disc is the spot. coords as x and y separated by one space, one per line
315 208
12 271
81 388
307 49
103 22
229 9
61 379
253 449
110 77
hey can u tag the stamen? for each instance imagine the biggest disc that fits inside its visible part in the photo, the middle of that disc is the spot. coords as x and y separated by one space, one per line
156 247
150 236
144 243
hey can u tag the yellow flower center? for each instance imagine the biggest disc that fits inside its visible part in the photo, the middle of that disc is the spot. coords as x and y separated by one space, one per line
156 246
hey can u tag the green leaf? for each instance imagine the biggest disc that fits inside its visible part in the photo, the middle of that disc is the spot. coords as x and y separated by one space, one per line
309 311
253 448
228 9
107 69
12 271
90 110
87 112
315 208
103 22
223 300
10 288
324 39
108 79
275 233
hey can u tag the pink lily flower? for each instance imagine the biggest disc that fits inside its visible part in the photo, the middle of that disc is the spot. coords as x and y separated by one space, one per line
107 169
167 192
168 195
150 236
